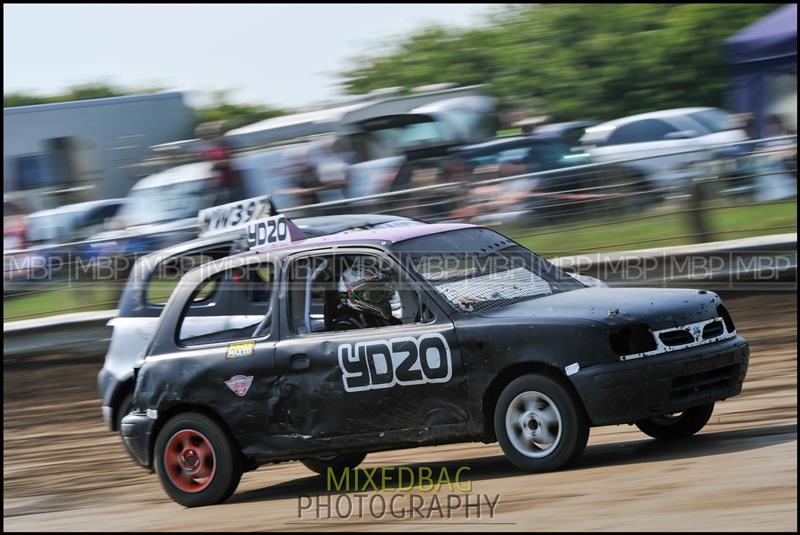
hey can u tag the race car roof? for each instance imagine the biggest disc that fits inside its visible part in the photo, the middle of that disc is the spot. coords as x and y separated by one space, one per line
332 224
381 236
387 234
390 235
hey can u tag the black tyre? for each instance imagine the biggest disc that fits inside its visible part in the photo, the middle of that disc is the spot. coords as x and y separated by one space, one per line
676 426
540 424
338 463
197 462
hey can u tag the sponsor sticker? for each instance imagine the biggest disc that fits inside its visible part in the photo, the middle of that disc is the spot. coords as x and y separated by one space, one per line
240 350
239 384
572 369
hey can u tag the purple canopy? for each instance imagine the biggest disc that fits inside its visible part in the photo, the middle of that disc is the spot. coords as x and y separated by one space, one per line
765 48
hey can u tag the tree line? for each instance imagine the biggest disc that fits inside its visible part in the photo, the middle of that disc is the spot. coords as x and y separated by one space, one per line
572 61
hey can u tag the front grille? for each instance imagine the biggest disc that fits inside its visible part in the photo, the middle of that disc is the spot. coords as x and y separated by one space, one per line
712 330
677 337
702 383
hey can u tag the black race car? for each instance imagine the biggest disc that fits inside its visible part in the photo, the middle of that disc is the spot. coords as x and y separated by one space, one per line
325 349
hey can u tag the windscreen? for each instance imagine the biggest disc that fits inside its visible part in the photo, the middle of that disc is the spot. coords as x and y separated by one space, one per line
477 269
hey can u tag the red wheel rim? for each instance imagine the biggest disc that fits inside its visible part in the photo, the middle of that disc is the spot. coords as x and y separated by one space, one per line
189 460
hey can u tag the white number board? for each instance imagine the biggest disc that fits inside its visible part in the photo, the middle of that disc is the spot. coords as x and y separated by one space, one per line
268 232
232 215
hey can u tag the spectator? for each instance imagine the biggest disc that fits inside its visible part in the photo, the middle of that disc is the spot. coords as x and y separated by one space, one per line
228 178
332 159
773 181
307 185
14 226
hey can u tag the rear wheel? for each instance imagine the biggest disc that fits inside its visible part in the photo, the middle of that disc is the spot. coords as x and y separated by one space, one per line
338 463
678 425
196 461
540 424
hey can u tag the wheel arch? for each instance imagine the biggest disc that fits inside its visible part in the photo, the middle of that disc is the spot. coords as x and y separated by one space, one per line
506 376
165 416
120 391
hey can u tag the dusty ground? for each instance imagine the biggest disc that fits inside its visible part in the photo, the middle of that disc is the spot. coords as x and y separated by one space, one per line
63 471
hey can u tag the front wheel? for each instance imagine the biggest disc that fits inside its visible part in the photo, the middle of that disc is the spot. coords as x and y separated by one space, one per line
675 426
540 424
196 461
337 463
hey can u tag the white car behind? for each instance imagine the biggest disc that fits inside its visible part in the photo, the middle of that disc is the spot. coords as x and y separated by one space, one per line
649 135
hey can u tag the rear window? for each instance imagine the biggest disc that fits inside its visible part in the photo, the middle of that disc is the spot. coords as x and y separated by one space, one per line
477 270
641 132
238 306
166 275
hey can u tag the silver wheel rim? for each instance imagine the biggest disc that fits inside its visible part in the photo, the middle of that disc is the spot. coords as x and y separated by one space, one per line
533 424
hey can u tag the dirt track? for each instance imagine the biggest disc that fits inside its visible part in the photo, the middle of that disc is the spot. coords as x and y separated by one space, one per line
63 470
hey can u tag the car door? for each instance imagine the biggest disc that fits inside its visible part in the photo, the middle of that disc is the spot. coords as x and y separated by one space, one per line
226 343
365 381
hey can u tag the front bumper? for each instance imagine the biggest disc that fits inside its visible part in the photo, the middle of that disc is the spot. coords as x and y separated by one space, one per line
136 431
624 392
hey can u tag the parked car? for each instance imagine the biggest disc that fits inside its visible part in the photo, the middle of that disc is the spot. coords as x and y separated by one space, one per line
42 235
560 189
257 358
572 130
71 222
650 135
538 152
161 209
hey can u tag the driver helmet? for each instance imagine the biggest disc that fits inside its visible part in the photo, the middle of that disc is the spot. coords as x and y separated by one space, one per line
367 288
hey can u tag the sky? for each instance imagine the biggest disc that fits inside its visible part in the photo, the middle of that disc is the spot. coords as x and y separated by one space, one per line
277 54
